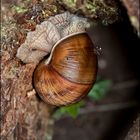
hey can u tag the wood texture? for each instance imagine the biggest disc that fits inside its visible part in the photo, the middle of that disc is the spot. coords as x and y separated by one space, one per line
23 116
133 10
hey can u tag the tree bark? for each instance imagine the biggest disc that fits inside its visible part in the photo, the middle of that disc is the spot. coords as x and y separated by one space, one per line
133 10
23 115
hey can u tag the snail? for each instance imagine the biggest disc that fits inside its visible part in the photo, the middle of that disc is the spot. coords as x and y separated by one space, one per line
70 70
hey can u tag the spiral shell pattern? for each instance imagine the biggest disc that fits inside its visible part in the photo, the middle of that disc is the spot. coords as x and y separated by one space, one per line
69 72
40 42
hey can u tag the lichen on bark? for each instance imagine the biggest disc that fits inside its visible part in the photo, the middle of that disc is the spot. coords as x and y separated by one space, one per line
23 114
133 10
105 11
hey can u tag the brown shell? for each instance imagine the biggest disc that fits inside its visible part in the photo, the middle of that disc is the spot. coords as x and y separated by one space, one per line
71 72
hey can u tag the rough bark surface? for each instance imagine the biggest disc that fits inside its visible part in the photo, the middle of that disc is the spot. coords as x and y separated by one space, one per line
104 11
23 115
134 132
133 10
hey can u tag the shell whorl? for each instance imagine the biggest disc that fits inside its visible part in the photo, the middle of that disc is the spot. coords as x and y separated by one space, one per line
40 42
70 71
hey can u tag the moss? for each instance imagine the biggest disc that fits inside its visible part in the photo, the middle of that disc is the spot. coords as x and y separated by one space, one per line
22 19
98 10
13 71
135 23
19 9
71 3
8 36
133 11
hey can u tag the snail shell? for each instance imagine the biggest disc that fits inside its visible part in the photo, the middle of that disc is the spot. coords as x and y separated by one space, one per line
70 71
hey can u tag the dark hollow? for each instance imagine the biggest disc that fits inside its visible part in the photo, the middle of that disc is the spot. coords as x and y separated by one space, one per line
121 54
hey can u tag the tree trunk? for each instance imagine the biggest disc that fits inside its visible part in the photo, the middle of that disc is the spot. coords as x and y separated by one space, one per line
133 11
23 115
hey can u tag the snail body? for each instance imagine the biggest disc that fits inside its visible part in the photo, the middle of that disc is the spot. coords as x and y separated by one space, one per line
68 74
